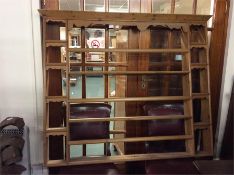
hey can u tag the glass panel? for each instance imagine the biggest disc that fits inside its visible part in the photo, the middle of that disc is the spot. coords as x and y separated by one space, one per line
95 86
183 6
94 5
135 6
75 57
117 85
75 38
118 6
94 68
117 38
94 57
75 86
76 151
203 7
95 149
95 38
69 5
161 6
62 33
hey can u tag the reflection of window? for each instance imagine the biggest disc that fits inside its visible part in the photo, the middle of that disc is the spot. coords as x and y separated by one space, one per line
74 38
69 5
162 6
203 7
97 5
118 6
183 6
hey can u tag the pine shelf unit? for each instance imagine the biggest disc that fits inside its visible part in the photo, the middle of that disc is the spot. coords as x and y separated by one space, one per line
164 54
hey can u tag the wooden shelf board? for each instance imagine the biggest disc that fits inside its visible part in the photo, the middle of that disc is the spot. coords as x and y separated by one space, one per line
133 157
203 154
199 65
129 50
55 43
55 163
135 118
194 45
115 131
56 64
114 64
202 125
127 99
134 139
56 131
55 99
55 20
118 158
200 95
128 72
62 67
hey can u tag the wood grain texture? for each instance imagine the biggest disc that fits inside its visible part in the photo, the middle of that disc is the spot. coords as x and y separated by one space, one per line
217 49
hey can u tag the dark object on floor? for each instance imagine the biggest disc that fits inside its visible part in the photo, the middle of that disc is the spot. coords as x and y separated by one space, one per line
214 166
11 141
14 121
109 169
166 128
90 130
12 170
173 166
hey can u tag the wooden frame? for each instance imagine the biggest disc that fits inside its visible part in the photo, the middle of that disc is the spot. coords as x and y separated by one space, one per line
143 22
140 6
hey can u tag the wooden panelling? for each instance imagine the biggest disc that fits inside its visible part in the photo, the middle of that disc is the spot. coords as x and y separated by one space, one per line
50 4
131 107
217 49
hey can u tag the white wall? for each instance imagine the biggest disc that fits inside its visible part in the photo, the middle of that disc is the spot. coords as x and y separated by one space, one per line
20 67
227 81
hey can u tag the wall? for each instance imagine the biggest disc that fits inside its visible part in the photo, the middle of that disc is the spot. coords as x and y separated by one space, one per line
20 67
227 81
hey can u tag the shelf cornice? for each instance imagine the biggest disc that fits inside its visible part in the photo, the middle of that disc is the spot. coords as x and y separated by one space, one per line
122 17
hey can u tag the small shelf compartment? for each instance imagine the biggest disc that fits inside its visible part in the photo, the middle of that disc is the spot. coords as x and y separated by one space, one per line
55 30
55 54
56 115
199 81
202 144
200 112
56 82
197 34
198 55
56 146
